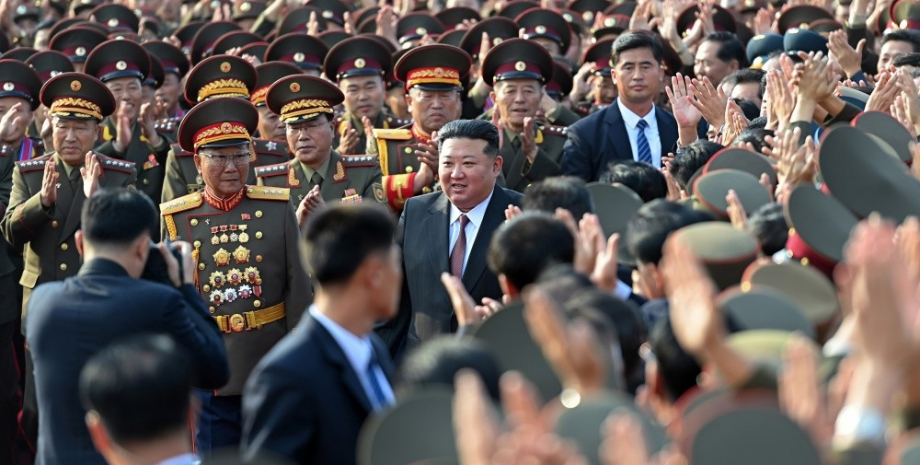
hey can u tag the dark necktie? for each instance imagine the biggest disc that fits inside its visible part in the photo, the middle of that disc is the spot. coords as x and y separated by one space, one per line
316 180
75 178
645 152
378 398
456 255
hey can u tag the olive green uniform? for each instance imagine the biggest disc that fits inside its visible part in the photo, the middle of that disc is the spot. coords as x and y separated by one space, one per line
148 160
383 121
519 172
348 178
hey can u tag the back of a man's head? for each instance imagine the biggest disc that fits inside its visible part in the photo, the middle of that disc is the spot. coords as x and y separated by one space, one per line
677 370
690 159
566 192
116 218
339 239
528 244
650 227
139 389
641 178
437 362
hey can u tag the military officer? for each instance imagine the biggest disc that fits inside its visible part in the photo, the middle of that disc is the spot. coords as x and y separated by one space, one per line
270 126
359 65
77 43
518 70
47 64
130 133
317 174
218 76
602 91
303 51
175 65
245 241
433 76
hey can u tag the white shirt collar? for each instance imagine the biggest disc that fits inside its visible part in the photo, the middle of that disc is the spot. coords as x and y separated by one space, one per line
358 350
183 459
475 215
631 119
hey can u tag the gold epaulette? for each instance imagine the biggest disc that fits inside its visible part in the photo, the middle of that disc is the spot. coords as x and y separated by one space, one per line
355 161
272 170
393 134
181 204
268 193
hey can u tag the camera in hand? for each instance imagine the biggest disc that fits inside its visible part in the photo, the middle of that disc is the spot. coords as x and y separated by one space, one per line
155 269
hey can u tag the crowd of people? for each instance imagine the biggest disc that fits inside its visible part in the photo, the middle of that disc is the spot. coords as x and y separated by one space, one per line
460 231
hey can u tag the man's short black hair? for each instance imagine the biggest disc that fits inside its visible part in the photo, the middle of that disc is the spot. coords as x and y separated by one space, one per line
566 192
903 35
748 108
678 369
768 225
340 238
141 388
756 136
691 158
730 47
633 40
911 59
648 230
641 178
528 244
471 129
117 217
436 363
747 76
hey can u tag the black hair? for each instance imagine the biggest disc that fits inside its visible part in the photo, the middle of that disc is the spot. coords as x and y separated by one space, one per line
903 35
756 136
141 387
117 217
759 122
730 47
678 369
528 244
563 282
566 192
471 129
633 40
768 225
641 178
750 109
911 59
650 227
339 239
436 363
691 158
747 76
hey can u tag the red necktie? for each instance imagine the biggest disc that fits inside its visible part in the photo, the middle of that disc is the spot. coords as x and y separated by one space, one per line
456 255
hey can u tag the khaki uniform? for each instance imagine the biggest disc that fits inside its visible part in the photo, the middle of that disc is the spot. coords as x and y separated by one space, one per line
349 178
520 173
148 160
51 253
248 268
396 152
182 177
383 121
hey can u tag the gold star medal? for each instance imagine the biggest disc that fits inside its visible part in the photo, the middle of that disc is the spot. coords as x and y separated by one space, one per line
222 257
241 254
244 237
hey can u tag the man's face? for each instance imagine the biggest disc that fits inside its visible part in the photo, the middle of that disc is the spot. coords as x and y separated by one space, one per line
270 125
24 112
433 109
638 75
148 95
708 64
603 91
72 138
550 45
128 94
364 95
891 50
310 141
467 175
517 99
225 169
168 93
42 37
747 91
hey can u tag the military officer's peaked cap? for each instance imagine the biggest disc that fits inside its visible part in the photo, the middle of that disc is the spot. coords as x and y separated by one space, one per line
723 20
302 98
561 84
820 227
357 56
222 122
453 17
332 38
186 34
434 67
116 17
301 50
297 20
77 96
517 59
889 130
248 9
235 39
20 54
801 16
18 79
454 37
416 25
599 54
49 64
118 59
514 8
499 29
170 56
269 73
330 10
761 46
77 42
220 76
546 24
206 37
724 251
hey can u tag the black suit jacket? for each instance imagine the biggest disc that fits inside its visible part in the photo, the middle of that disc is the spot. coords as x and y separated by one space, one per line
305 401
69 321
601 138
425 310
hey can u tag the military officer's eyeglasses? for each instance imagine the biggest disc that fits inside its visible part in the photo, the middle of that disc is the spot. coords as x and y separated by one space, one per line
239 159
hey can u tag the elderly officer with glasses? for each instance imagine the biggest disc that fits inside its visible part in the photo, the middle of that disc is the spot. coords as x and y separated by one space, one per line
245 247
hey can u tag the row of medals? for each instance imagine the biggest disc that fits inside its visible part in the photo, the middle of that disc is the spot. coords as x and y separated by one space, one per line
248 280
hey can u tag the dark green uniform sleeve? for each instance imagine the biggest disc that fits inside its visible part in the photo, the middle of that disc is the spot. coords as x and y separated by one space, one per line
174 184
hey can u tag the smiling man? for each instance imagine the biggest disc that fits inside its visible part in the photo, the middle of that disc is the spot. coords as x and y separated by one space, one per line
449 231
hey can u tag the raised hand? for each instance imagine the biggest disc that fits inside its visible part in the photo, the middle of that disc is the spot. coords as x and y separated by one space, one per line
681 97
883 95
348 143
850 59
709 101
529 140
123 131
736 212
311 202
147 121
48 194
91 172
604 275
795 163
12 124
801 394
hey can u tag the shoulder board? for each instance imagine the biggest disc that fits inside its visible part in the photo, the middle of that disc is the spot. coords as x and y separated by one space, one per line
272 170
116 164
167 124
397 122
268 193
355 161
178 151
181 204
33 164
393 134
270 147
560 131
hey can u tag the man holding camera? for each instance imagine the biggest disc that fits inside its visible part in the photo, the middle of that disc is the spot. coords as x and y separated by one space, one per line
71 320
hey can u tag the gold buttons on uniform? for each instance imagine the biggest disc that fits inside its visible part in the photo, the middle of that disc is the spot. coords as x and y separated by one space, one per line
197 244
206 288
146 181
257 303
258 213
408 169
201 266
212 309
194 222
63 267
258 234
408 149
54 224
259 258
64 246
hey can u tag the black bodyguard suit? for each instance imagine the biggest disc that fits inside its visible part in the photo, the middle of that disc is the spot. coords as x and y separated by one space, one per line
69 321
425 310
601 138
305 401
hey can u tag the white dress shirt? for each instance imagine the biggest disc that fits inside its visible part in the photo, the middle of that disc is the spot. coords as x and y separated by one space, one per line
358 351
184 459
651 132
472 227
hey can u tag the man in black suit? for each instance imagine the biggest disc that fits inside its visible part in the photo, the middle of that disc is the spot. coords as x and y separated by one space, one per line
632 128
467 210
307 399
69 321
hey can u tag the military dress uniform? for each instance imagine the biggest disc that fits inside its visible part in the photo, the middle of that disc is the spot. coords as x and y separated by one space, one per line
247 262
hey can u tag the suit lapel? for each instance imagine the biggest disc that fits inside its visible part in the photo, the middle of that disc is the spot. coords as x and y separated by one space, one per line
493 218
667 130
618 137
336 357
436 227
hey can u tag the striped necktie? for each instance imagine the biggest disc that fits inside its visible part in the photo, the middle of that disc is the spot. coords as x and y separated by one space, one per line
645 152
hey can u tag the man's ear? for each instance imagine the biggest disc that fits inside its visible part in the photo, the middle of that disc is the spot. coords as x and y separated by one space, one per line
497 165
507 287
613 76
78 239
97 432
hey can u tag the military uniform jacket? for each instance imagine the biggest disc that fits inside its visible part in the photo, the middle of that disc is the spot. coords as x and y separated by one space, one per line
383 121
248 261
519 173
347 179
182 177
396 152
148 160
51 253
